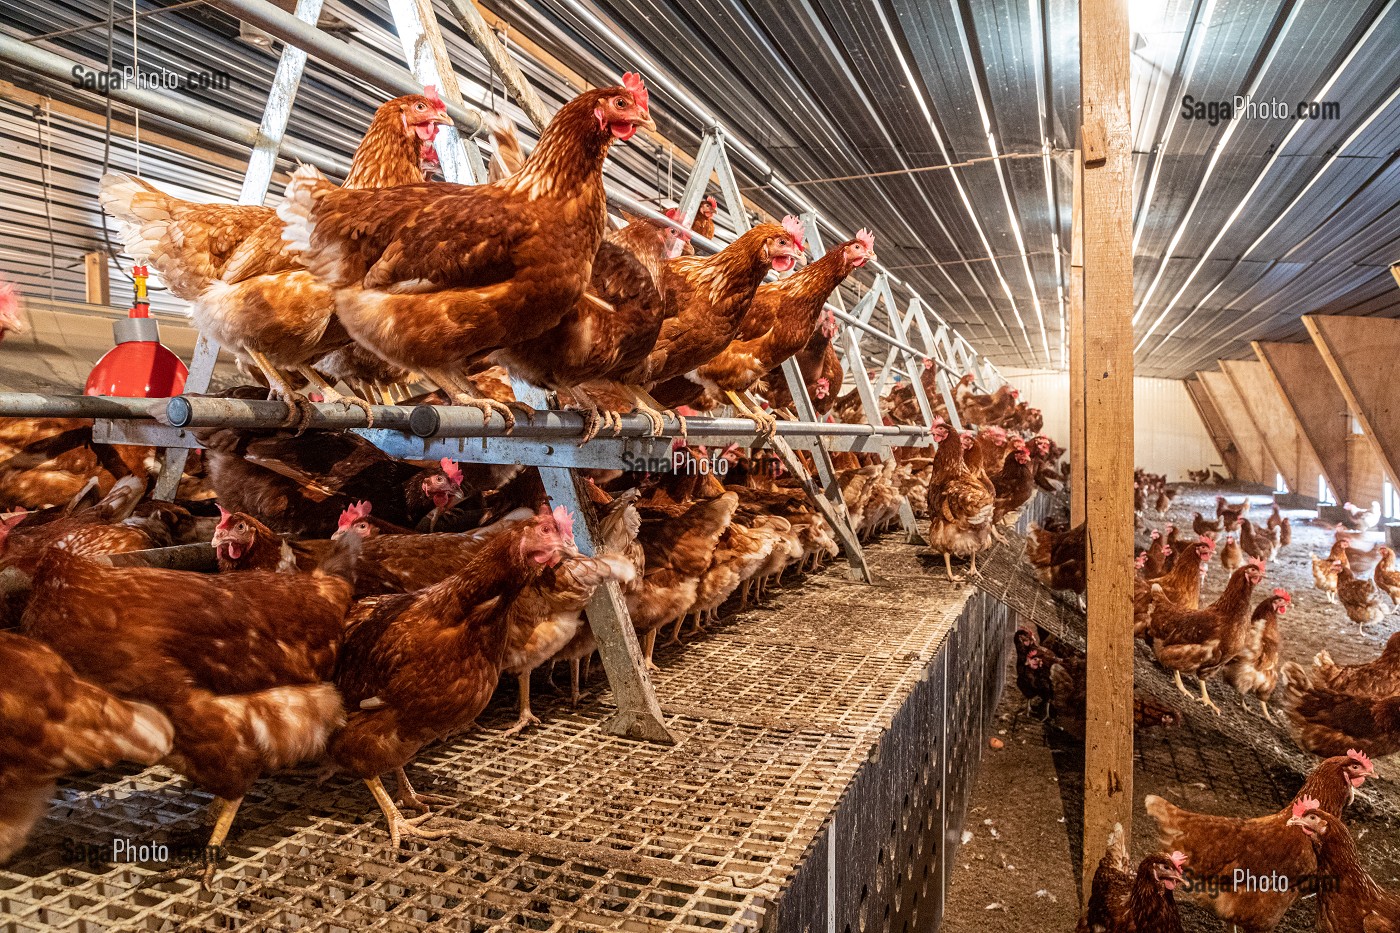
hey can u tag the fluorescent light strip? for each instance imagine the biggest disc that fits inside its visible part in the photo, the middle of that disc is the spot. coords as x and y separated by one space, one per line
1216 155
957 182
1259 180
1203 28
1316 177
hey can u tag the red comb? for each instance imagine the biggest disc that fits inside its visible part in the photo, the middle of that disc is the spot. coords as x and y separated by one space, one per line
430 91
9 298
225 516
1282 594
1304 805
633 82
1141 560
1178 859
795 230
865 238
353 513
1360 756
452 470
565 521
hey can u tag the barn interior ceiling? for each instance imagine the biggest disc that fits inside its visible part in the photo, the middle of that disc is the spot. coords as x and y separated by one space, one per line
946 127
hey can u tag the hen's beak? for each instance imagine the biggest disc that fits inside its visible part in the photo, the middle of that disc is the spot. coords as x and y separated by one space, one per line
645 123
442 119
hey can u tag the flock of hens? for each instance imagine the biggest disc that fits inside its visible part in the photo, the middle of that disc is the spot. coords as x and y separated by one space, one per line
1346 715
364 607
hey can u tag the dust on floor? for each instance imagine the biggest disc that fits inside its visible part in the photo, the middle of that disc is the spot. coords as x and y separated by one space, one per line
1018 869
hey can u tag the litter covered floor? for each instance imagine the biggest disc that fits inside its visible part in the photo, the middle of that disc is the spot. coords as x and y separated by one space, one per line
1235 764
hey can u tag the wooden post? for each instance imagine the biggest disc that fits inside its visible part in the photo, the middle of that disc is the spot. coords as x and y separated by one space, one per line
1106 140
1076 346
99 288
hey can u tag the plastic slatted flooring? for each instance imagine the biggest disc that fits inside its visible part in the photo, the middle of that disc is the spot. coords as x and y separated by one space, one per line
564 827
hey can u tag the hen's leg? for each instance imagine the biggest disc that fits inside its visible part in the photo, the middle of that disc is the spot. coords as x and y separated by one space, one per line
333 396
767 425
527 718
653 404
592 414
400 825
649 644
573 681
1205 698
458 395
226 810
1181 686
1267 715
948 565
641 406
301 410
408 797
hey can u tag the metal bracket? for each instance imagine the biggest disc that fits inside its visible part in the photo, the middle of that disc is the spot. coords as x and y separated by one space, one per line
638 713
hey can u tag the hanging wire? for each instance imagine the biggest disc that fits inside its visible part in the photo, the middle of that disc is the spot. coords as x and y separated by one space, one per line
107 147
136 73
43 124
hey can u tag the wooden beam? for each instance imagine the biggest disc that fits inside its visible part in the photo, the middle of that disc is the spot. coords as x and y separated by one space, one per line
98 287
1254 461
1319 408
1214 424
1361 352
1107 210
1273 419
1077 485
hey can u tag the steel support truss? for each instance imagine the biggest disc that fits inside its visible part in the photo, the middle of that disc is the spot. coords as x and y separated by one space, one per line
550 443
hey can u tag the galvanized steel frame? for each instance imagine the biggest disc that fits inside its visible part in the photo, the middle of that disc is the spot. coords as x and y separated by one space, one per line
426 54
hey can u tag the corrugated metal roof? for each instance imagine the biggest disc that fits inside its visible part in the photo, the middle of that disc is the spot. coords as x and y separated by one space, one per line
826 90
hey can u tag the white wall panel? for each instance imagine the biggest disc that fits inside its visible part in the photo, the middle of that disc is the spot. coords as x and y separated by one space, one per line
1168 434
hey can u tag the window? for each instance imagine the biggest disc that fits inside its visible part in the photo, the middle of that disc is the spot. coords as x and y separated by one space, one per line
1325 496
1390 499
1279 484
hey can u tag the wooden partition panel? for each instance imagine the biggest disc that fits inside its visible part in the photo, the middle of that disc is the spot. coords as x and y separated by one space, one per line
1255 465
1319 409
1273 418
1215 424
1361 353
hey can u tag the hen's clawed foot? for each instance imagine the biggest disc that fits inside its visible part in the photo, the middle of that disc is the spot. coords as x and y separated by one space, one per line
487 407
526 720
408 797
658 422
400 826
592 420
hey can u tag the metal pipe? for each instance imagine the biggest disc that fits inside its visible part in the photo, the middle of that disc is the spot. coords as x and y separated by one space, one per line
33 405
197 411
344 56
460 421
218 123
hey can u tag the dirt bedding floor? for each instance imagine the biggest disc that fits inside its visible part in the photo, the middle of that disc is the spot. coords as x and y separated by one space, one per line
1018 868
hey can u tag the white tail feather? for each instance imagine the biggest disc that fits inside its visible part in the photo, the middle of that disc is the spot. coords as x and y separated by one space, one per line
295 210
